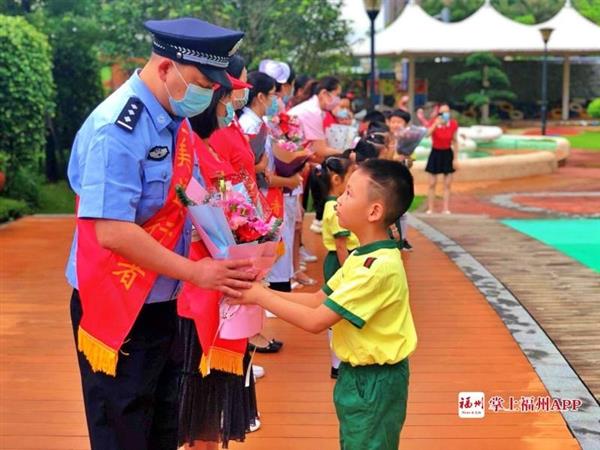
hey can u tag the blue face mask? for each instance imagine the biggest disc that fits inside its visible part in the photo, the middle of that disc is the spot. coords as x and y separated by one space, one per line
224 122
195 101
446 116
273 108
343 113
239 103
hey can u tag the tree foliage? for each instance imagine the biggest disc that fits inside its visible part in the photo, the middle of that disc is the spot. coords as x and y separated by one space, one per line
485 79
308 33
525 11
26 99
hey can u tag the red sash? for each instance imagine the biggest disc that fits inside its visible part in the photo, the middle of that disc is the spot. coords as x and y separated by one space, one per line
202 305
112 289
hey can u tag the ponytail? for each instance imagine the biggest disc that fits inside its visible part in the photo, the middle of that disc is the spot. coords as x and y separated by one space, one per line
324 172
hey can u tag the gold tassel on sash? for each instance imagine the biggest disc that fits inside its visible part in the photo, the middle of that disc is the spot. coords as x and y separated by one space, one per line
223 360
101 357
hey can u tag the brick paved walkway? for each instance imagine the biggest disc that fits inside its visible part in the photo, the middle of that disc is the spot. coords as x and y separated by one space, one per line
463 346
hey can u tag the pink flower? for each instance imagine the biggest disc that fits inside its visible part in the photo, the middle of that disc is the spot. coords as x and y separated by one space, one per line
237 220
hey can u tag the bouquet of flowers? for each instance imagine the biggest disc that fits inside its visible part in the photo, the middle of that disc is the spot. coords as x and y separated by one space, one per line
289 147
409 138
341 136
231 228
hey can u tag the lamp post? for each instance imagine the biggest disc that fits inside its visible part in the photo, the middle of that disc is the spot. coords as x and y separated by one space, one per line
546 32
372 7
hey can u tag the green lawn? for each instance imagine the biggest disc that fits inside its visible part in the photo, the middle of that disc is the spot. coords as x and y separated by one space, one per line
56 198
588 140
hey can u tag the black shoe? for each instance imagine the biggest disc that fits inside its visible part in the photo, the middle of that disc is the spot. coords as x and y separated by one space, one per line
406 246
272 347
334 373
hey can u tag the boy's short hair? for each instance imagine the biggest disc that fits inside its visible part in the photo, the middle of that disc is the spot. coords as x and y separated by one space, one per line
377 127
392 182
374 116
404 115
362 151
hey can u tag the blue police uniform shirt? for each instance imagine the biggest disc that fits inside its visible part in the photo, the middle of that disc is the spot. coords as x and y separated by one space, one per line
125 175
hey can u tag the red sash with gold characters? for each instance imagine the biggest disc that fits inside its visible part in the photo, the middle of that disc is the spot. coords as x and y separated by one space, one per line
112 289
202 305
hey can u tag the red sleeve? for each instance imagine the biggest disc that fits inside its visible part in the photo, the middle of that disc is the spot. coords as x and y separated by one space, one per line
221 141
328 120
454 126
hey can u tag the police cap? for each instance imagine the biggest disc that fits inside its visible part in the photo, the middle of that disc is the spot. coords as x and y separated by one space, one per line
193 41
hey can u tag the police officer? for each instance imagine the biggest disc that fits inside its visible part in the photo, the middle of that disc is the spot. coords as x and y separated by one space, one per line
128 253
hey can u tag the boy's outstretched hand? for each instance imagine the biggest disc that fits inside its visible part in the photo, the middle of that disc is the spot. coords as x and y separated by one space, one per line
249 296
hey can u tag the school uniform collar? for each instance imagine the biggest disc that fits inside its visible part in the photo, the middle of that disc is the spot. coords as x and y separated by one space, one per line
374 246
160 117
252 114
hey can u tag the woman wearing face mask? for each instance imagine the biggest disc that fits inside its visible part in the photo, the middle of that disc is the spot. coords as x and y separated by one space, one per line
302 90
230 141
311 114
443 156
215 405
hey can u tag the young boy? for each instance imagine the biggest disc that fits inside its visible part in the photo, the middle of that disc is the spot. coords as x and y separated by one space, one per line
366 303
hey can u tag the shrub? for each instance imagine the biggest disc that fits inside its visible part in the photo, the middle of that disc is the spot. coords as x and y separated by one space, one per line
593 108
26 98
12 209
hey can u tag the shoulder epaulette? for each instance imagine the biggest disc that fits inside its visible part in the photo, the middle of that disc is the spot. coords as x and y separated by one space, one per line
369 262
130 114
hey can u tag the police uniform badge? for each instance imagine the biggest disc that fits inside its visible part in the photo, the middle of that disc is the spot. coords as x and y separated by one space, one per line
130 114
158 153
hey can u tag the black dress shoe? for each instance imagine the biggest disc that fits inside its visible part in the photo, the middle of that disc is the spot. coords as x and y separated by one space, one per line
271 347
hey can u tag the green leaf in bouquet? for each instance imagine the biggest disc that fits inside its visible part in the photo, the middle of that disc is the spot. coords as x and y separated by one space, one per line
182 196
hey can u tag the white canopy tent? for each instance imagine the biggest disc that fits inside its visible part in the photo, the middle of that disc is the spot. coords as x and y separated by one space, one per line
415 33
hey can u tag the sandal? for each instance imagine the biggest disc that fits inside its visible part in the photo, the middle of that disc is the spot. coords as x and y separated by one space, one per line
304 279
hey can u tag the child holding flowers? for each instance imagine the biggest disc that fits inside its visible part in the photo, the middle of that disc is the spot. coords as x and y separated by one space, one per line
366 303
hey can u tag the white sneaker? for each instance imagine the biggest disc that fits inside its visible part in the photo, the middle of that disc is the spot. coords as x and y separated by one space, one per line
306 255
254 427
258 371
315 226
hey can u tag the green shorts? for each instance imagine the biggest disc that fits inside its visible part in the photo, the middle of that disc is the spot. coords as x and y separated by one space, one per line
370 402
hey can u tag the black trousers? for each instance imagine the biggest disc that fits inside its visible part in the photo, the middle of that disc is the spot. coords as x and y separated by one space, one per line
137 409
317 196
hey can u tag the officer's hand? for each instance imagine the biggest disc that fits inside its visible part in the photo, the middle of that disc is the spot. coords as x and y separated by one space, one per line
225 276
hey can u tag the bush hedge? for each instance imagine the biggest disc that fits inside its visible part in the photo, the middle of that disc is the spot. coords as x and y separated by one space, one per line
593 108
26 98
12 209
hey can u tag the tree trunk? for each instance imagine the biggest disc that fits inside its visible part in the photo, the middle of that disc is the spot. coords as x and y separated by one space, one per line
51 165
485 113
